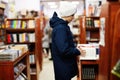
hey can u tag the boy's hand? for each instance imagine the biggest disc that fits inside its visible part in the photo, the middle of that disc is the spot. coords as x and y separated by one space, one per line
83 52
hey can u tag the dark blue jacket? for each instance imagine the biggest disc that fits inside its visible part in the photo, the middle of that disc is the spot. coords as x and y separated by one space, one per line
64 51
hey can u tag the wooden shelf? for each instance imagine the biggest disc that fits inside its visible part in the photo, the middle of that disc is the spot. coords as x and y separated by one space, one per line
20 58
21 43
89 34
109 54
90 62
94 17
19 73
20 19
8 30
7 67
92 28
36 45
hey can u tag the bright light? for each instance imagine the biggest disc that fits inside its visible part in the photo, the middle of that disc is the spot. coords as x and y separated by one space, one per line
53 6
51 3
75 2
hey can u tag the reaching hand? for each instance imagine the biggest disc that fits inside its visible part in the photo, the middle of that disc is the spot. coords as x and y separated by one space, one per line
83 52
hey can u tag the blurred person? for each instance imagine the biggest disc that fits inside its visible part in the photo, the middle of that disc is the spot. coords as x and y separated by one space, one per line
50 42
46 39
64 52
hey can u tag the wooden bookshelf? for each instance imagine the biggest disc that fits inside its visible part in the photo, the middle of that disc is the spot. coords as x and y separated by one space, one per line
109 54
7 67
16 27
89 33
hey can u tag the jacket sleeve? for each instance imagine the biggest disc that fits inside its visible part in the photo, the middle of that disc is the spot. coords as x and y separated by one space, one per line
62 43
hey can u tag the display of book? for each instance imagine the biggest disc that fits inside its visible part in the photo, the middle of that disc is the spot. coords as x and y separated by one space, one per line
12 52
20 37
20 24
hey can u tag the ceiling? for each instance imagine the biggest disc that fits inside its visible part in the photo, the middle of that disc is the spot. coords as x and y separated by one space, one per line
55 3
58 0
52 5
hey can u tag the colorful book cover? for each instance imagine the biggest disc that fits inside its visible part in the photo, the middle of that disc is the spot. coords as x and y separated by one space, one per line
8 24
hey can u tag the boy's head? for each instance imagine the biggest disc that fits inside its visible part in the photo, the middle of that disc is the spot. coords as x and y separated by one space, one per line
67 9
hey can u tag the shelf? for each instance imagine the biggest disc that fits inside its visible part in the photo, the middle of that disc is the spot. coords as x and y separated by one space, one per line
89 62
26 32
20 58
20 30
19 73
94 17
92 28
22 43
90 33
93 40
33 71
23 19
22 68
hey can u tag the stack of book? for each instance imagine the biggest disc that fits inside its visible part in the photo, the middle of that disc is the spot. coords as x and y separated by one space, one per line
13 52
8 55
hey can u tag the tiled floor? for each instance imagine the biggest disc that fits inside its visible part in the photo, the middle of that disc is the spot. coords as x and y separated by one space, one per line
48 72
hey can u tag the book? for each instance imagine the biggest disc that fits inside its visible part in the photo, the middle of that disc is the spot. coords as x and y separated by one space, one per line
92 51
116 69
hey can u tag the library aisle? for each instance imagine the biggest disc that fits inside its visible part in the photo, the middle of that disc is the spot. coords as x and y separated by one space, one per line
47 72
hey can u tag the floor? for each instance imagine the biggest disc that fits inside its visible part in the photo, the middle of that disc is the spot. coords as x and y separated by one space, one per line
48 72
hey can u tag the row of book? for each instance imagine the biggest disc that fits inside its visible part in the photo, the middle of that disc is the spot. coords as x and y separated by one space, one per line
92 22
20 24
21 37
88 73
32 58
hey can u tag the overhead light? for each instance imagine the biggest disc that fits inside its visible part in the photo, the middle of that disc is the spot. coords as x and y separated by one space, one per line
75 2
51 3
53 6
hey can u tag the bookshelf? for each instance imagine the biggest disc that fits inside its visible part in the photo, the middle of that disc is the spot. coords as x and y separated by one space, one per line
16 68
26 31
89 33
89 29
109 54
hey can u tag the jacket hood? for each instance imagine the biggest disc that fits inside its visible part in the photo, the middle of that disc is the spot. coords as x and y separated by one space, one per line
55 20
